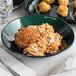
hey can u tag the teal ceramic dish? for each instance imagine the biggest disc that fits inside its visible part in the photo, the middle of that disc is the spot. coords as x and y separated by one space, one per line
11 28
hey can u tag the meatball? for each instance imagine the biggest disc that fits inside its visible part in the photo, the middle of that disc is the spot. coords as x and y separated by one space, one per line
44 7
25 36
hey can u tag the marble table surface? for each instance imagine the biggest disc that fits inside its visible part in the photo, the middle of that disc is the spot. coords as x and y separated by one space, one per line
65 67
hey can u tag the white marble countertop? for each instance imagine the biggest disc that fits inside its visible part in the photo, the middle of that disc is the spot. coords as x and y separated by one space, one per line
39 65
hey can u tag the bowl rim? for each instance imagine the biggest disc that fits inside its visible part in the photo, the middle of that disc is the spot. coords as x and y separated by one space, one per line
10 50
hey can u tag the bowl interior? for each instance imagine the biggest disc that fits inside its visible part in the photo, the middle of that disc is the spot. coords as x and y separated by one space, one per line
11 28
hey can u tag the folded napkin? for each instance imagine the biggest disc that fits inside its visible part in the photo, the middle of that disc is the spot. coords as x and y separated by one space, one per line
15 64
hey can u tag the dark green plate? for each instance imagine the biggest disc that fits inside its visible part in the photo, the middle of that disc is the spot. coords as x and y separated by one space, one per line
11 28
53 12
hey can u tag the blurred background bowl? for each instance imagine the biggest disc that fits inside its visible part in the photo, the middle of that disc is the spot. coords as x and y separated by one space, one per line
17 3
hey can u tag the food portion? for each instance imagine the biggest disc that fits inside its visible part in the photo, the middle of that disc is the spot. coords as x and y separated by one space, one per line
63 10
44 7
63 2
74 3
25 37
39 40
49 1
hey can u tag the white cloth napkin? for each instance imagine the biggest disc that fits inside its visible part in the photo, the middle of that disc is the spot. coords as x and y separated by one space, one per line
15 64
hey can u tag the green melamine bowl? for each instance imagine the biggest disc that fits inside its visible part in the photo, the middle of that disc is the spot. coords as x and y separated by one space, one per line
11 28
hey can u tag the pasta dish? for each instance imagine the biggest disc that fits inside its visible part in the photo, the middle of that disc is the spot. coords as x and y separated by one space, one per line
39 40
